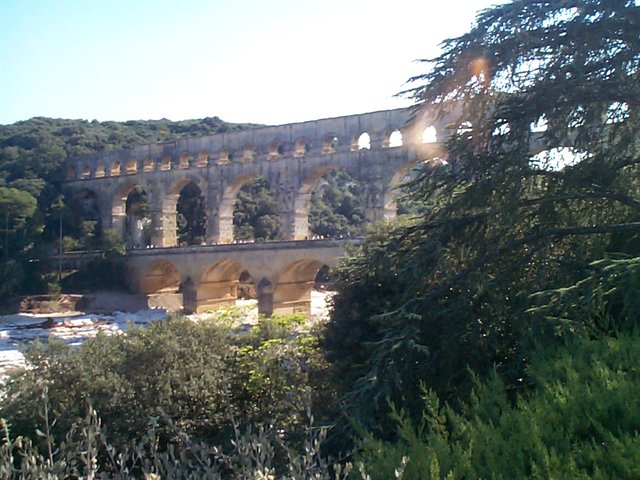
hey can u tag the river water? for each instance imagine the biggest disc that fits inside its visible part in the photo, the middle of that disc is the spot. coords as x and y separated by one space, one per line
16 331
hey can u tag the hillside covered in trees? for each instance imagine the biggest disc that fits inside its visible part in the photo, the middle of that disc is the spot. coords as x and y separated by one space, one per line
33 205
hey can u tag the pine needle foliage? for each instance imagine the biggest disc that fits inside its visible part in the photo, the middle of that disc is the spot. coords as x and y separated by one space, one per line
539 181
580 422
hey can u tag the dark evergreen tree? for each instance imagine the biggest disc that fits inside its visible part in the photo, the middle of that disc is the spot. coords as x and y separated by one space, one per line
507 215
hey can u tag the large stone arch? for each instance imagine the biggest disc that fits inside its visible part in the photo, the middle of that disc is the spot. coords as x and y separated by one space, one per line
430 154
393 187
119 204
218 285
90 205
297 224
292 288
227 205
159 276
160 282
165 224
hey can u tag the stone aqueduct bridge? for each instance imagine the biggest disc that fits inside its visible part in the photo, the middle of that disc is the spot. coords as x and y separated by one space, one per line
378 149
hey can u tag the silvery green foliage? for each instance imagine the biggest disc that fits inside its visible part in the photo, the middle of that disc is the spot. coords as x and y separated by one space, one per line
86 453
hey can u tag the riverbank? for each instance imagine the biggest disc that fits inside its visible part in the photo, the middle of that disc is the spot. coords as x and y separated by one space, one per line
75 326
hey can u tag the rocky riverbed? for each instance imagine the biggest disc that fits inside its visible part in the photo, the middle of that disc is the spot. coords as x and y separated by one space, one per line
74 327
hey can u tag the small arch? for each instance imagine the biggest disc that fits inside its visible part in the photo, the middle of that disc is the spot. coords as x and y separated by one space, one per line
430 135
203 158
364 141
395 139
224 157
132 167
161 276
617 112
540 125
101 171
165 163
86 172
148 165
330 144
301 147
71 173
249 154
185 160
276 150
115 169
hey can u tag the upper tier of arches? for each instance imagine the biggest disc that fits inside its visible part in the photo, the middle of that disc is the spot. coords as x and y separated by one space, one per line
370 131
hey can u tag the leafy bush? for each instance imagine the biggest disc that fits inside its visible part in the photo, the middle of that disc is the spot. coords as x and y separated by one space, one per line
200 375
581 421
86 452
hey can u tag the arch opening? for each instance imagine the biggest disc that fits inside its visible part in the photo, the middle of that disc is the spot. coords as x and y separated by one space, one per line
160 277
132 167
165 163
185 161
191 218
558 158
429 135
276 150
301 147
86 226
256 215
224 157
137 224
246 286
398 198
395 139
101 171
148 165
220 284
617 112
249 154
336 206
203 159
364 141
115 169
330 144
292 292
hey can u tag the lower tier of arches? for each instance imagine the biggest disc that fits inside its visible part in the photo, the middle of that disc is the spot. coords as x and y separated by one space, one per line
280 276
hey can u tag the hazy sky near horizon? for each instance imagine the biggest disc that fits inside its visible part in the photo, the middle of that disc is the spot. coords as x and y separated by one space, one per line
270 61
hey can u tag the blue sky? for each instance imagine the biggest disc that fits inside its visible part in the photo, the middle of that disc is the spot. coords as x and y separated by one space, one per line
270 61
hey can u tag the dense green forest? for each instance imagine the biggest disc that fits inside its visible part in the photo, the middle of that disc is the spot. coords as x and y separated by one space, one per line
495 335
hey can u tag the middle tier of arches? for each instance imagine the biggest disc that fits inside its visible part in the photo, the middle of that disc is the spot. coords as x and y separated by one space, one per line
157 225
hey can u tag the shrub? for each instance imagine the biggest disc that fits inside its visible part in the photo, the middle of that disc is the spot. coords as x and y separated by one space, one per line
582 421
200 375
